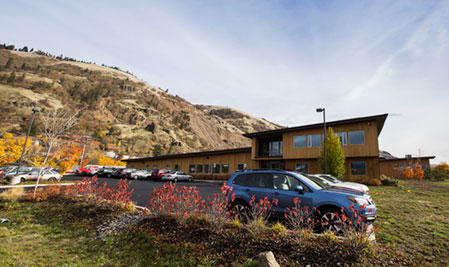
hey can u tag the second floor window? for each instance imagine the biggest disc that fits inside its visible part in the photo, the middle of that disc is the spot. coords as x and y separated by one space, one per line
314 140
356 137
343 138
299 141
270 148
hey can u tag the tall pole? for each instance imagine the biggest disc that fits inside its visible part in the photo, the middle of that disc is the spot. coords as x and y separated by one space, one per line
35 110
324 126
325 137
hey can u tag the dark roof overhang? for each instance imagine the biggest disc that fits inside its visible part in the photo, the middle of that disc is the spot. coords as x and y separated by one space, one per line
193 154
380 121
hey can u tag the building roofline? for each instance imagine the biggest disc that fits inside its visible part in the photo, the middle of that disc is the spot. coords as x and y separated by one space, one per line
192 154
423 157
380 120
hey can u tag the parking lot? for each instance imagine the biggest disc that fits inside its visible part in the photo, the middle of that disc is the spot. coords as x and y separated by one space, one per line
144 188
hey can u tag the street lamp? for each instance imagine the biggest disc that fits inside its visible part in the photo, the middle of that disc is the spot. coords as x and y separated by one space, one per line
35 110
324 124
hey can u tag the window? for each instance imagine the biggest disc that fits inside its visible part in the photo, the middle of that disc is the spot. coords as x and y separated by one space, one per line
216 168
270 148
206 168
241 167
154 166
356 137
199 168
302 167
192 168
314 140
225 168
263 180
358 168
177 167
167 166
299 141
343 138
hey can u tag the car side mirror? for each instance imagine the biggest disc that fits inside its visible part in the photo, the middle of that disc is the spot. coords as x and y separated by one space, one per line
299 189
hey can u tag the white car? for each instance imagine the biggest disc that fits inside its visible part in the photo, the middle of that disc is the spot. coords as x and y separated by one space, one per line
46 175
177 176
334 182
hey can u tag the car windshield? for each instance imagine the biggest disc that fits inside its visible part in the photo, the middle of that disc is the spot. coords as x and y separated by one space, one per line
316 181
330 178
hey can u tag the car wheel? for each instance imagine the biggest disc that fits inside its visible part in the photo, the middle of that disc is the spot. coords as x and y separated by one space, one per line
331 220
240 211
190 179
109 175
22 180
176 180
52 179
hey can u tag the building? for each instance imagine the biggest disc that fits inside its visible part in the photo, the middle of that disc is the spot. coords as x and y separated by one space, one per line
293 148
395 167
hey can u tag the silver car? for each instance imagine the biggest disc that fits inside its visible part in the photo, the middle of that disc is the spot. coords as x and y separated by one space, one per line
334 182
46 175
177 176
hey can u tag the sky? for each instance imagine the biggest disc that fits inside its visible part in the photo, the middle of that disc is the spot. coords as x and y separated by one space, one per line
278 60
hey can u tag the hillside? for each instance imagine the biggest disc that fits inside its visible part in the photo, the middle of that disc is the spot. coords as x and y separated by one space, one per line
120 111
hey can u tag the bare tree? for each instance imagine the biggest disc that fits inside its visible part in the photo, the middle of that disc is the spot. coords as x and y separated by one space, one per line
55 123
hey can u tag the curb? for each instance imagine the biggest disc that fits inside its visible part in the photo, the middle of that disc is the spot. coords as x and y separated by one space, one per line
31 185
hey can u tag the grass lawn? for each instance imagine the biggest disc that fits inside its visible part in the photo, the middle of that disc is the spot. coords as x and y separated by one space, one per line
414 219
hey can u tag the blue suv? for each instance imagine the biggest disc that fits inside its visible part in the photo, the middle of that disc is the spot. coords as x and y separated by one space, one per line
285 186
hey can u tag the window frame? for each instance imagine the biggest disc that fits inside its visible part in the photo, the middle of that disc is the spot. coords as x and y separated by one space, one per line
366 168
344 137
305 163
349 137
192 167
298 136
310 140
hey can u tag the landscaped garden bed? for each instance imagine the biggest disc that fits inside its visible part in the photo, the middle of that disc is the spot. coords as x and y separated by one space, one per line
79 228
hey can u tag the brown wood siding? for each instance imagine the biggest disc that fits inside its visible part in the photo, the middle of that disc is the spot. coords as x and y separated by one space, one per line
233 159
372 169
369 149
394 168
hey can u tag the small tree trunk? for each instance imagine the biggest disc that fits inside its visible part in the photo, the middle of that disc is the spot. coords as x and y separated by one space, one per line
42 167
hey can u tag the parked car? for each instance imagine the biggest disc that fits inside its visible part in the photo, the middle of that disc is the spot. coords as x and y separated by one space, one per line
176 176
119 172
106 171
157 174
126 173
46 175
11 171
140 174
332 181
85 171
285 186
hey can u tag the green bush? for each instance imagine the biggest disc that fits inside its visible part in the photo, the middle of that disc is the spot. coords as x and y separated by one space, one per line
388 181
435 174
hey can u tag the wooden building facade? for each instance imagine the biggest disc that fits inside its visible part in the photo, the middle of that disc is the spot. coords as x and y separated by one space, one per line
395 167
294 148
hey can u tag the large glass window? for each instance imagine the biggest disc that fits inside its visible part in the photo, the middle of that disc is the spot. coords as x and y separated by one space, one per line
270 148
177 167
302 167
241 166
299 141
206 168
343 138
199 168
216 168
225 168
358 168
314 140
356 137
192 168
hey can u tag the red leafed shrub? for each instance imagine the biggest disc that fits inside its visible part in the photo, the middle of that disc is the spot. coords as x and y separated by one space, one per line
217 208
189 204
261 210
299 218
162 201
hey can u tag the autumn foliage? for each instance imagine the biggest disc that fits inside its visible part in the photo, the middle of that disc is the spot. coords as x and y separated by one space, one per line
414 171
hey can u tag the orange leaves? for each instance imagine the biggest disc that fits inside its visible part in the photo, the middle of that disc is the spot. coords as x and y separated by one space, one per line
414 171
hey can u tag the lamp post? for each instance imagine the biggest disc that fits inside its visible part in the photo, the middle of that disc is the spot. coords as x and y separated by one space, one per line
324 124
35 110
